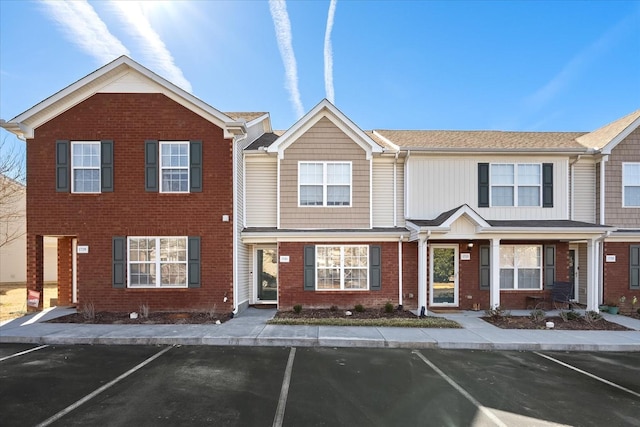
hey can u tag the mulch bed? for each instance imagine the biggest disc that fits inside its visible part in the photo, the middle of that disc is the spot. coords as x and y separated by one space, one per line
154 318
369 313
522 322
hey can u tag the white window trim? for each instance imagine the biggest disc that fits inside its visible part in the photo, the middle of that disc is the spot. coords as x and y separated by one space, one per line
98 168
515 186
342 268
325 184
161 168
515 270
624 204
158 263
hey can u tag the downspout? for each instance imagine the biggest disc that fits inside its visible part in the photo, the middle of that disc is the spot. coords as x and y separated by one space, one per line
400 272
395 193
599 273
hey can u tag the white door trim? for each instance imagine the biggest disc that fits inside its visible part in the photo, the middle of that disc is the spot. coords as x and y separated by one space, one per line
456 284
255 279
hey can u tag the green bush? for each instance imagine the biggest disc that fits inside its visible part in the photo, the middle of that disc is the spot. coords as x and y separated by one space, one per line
359 308
537 315
388 308
297 308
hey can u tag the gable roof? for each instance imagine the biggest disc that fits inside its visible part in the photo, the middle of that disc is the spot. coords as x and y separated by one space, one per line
608 136
427 140
121 75
328 110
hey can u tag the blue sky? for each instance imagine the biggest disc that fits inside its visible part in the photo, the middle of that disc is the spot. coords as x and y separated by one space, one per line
531 66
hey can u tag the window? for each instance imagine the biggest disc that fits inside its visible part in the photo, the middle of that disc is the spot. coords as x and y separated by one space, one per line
85 164
516 184
174 167
342 267
324 183
520 267
631 185
157 262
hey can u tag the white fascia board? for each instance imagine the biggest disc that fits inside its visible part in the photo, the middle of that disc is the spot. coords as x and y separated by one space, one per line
396 147
328 110
441 150
587 232
320 236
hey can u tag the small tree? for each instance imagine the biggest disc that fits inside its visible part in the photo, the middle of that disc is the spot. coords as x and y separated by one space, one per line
12 192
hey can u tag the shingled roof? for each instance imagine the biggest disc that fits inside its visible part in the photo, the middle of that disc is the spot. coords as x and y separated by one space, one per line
604 135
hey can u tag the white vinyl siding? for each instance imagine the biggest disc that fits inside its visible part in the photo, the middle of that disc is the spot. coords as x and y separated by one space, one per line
584 195
437 183
261 193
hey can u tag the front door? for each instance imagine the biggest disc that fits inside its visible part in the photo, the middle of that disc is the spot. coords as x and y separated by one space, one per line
267 277
444 276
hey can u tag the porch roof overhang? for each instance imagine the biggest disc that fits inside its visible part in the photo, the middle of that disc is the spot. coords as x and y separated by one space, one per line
624 235
252 235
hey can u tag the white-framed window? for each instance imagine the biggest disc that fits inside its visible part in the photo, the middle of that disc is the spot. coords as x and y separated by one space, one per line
85 166
516 184
631 185
342 267
324 183
520 267
157 262
174 166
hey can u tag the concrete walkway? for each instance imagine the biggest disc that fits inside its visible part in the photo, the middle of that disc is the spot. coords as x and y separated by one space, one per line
250 329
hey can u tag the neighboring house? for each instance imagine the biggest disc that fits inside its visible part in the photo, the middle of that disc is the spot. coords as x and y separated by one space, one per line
135 178
158 198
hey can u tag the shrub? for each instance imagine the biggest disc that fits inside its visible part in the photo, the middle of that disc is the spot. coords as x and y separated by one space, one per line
88 311
297 308
570 315
536 315
144 310
359 308
388 308
497 313
592 316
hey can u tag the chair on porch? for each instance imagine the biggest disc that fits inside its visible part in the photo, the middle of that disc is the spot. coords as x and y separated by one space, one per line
561 295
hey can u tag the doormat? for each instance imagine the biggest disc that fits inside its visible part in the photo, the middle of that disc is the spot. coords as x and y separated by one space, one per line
444 311
260 306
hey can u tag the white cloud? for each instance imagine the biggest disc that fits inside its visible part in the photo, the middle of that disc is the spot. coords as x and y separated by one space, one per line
84 28
153 50
328 54
282 26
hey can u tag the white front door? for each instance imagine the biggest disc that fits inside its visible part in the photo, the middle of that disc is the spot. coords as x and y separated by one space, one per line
443 267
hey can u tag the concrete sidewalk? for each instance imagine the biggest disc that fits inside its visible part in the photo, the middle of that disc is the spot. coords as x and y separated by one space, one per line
250 329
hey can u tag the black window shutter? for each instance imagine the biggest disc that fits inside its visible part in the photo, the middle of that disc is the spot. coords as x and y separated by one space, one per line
195 168
483 185
106 165
151 165
119 249
309 268
549 266
62 166
375 268
547 185
485 267
194 262
634 267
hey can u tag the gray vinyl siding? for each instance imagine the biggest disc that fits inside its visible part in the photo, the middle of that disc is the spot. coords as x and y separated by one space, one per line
627 150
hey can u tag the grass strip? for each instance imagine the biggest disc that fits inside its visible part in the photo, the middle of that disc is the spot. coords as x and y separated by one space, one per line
427 322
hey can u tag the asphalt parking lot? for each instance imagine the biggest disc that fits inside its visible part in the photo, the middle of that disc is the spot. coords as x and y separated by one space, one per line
273 386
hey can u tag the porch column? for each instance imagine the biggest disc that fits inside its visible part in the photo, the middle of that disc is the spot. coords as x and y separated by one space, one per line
35 267
494 289
422 274
592 275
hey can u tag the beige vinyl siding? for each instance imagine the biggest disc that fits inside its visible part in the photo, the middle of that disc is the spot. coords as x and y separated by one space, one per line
383 193
261 191
324 141
584 195
436 184
400 194
627 150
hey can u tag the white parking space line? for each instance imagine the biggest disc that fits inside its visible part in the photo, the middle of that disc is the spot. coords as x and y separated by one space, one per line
90 396
23 352
284 391
589 374
493 417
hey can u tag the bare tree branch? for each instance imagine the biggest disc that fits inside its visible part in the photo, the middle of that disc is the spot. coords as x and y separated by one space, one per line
12 193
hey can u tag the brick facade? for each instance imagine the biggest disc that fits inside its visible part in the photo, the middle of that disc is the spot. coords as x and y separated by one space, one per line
616 275
129 120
